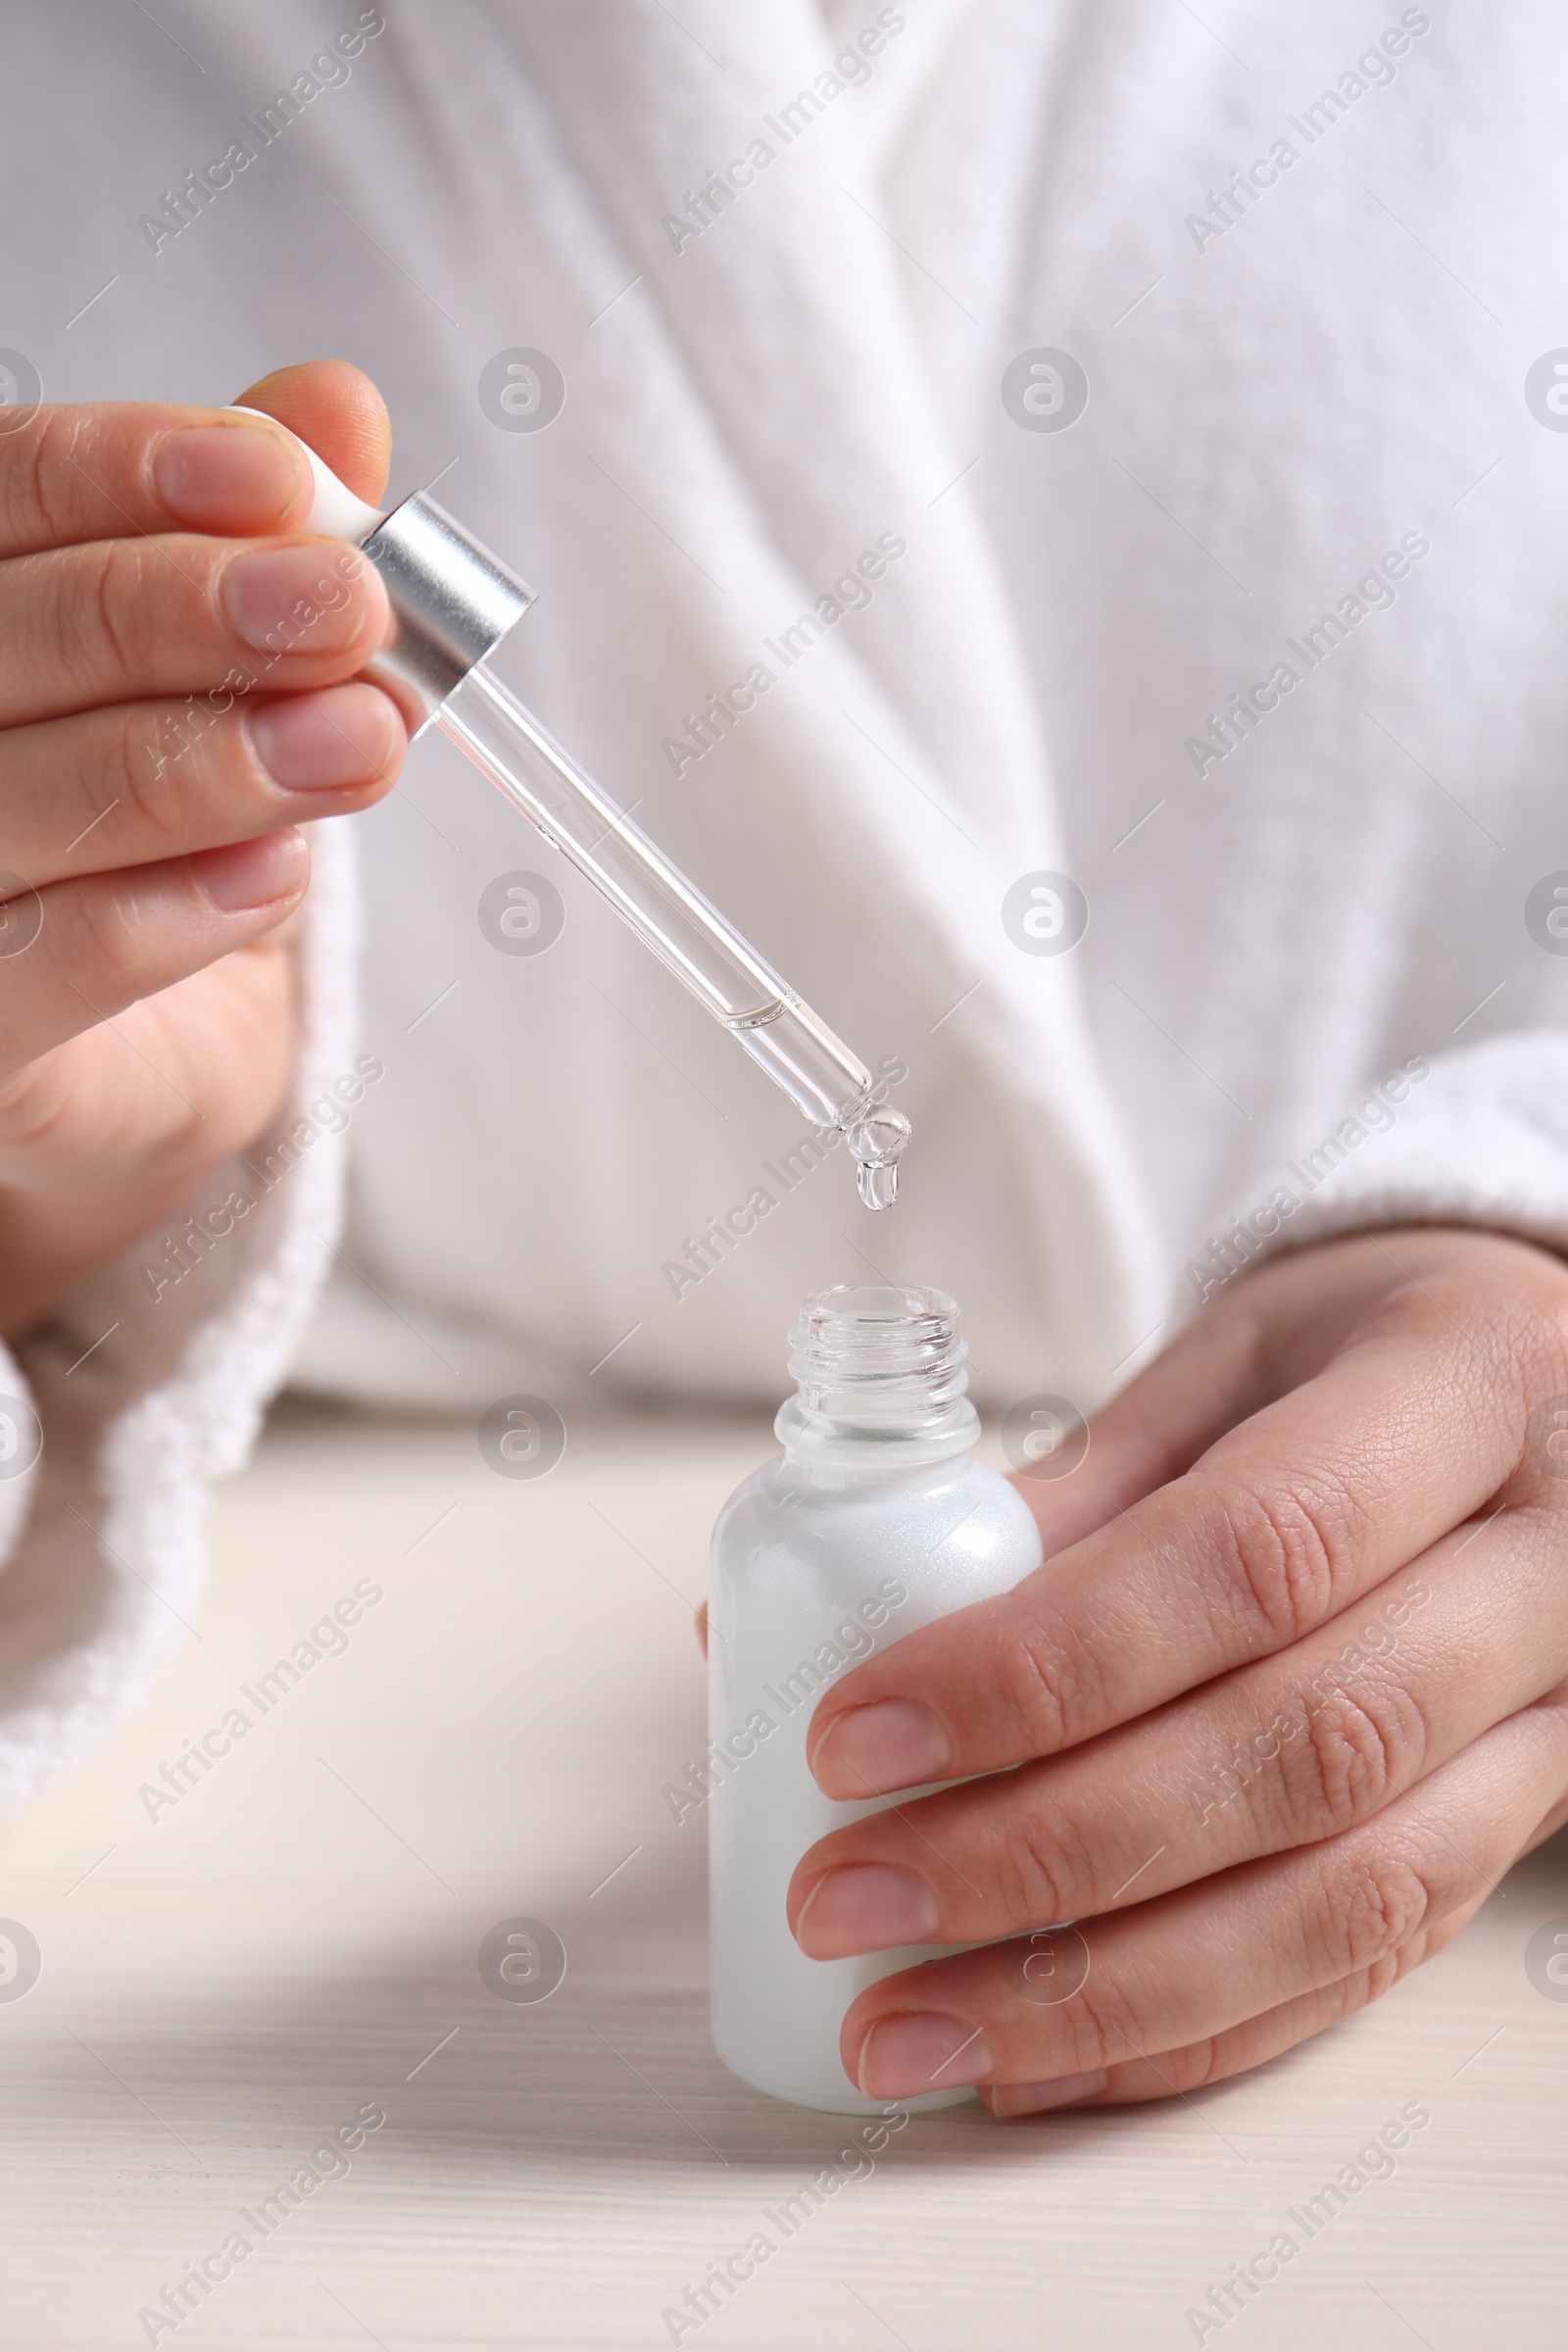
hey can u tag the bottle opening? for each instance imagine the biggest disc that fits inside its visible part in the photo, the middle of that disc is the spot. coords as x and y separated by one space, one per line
878 1364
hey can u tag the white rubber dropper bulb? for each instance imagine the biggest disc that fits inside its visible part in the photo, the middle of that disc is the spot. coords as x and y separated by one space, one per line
334 509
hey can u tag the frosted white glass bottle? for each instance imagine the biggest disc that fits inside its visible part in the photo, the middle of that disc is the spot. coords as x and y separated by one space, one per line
875 1520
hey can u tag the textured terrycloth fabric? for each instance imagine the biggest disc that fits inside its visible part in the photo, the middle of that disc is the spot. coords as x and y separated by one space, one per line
103 1535
784 293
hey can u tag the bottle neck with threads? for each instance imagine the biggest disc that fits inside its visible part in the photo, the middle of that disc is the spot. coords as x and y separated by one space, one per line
882 1384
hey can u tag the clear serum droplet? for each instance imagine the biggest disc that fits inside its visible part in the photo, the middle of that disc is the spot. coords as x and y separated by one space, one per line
878 1142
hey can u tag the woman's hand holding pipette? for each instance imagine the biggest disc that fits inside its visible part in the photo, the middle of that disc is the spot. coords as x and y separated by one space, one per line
176 696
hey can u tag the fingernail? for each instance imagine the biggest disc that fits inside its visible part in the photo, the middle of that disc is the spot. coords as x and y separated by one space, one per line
864 1907
306 600
227 478
890 1744
253 874
312 742
1033 2098
902 2056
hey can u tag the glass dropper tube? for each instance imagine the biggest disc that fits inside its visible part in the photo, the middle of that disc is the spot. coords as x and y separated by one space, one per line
452 601
783 1035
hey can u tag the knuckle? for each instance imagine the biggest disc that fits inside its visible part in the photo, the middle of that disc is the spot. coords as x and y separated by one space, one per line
98 614
119 764
20 496
1194 2066
37 468
1369 1985
147 775
107 940
1353 1756
1047 1687
1368 1908
1101 2024
1034 1874
1425 1944
1288 1549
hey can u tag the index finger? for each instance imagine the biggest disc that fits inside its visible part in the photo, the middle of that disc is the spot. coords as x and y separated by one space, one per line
117 469
1412 1425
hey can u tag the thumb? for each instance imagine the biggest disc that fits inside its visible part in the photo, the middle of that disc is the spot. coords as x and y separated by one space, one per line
337 412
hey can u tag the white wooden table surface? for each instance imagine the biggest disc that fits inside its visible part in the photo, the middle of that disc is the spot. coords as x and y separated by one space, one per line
296 1937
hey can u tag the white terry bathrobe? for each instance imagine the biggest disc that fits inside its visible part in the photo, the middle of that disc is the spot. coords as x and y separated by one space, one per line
1304 260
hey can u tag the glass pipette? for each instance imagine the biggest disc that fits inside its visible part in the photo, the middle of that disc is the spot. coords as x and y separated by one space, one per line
452 603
